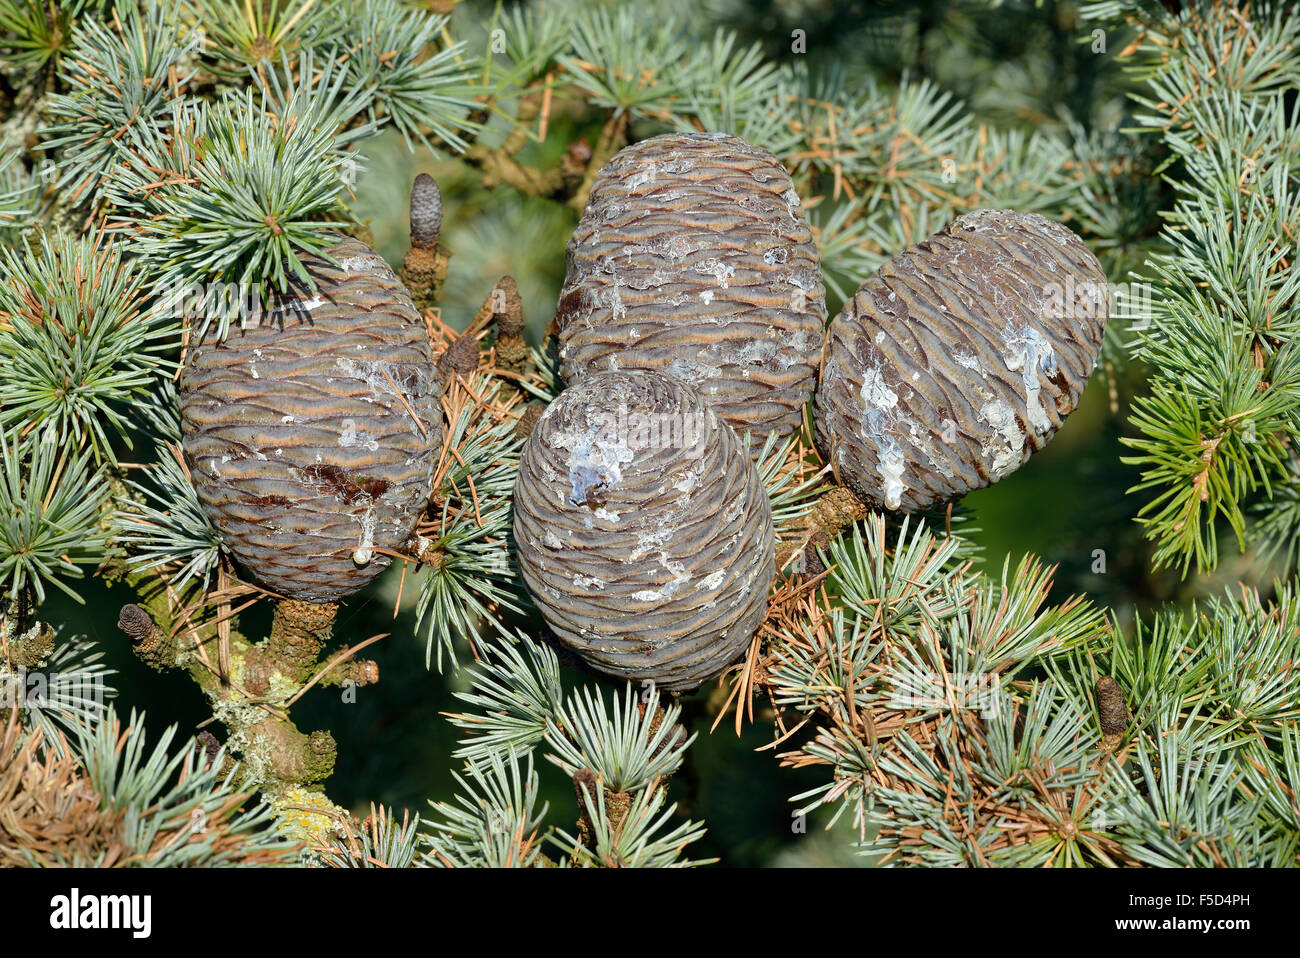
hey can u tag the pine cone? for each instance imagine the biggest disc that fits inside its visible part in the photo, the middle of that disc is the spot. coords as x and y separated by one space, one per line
312 433
959 358
693 258
643 531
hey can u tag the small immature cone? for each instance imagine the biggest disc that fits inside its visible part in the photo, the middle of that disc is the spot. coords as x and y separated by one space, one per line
508 314
460 357
207 744
425 266
528 420
136 623
426 212
149 642
585 785
959 358
1111 708
208 748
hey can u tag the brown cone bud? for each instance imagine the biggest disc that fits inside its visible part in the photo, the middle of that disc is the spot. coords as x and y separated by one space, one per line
1111 707
510 316
135 622
460 357
528 419
426 212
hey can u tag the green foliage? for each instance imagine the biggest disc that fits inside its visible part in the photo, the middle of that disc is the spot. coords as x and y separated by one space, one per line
731 89
69 691
1223 406
628 747
789 494
469 567
241 37
227 197
1031 769
37 34
50 515
1186 810
533 36
493 822
626 750
381 47
604 44
1276 533
163 524
383 843
81 341
159 791
384 45
643 839
515 693
950 713
123 86
18 196
912 672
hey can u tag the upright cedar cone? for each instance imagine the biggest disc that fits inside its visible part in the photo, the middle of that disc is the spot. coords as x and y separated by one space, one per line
693 258
959 358
312 433
1111 707
426 212
643 531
